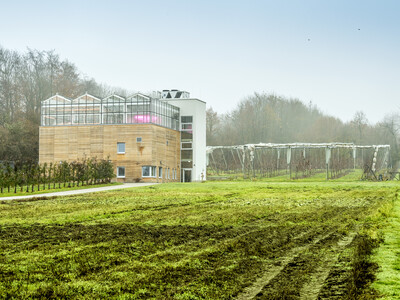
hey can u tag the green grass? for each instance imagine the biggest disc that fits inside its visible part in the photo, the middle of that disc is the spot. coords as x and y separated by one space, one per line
387 256
177 241
46 190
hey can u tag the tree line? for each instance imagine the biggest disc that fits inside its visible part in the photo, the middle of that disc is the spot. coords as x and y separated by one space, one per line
268 118
31 177
26 79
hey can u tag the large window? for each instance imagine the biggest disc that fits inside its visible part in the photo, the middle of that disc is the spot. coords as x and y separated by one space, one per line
149 171
121 148
120 172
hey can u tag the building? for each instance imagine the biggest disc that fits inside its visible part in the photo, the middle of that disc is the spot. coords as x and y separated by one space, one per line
193 133
157 138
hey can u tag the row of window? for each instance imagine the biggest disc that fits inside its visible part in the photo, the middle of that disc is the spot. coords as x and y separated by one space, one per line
151 172
186 141
121 145
53 120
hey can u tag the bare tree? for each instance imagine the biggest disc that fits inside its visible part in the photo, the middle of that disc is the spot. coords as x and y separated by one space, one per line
360 122
10 62
391 129
212 126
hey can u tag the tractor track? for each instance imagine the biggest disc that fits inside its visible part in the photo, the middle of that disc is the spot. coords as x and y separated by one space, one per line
271 271
311 289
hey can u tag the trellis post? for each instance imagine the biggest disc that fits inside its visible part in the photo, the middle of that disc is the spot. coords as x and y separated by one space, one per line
244 157
277 162
252 154
327 159
289 161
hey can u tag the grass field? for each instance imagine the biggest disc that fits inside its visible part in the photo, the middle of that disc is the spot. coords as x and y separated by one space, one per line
213 240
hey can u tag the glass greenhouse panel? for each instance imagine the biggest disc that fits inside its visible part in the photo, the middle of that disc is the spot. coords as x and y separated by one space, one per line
87 109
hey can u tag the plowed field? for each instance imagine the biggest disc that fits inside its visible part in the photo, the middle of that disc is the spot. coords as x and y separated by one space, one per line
216 240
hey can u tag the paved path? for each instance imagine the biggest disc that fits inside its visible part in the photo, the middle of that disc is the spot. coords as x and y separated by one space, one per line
76 192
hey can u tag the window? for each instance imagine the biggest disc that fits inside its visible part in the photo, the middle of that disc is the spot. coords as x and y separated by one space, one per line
186 131
186 136
121 148
186 155
187 164
138 140
186 126
187 119
159 172
120 172
149 171
186 146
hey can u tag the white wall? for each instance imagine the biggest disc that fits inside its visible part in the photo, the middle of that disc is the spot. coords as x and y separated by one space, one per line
197 109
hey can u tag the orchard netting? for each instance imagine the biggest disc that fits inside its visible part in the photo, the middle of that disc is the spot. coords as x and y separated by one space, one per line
299 160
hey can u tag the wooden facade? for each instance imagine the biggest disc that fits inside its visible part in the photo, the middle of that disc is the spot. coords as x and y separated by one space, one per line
159 147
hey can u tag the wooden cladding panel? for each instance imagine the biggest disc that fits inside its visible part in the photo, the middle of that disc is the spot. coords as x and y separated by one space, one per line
61 150
96 145
46 142
77 142
72 145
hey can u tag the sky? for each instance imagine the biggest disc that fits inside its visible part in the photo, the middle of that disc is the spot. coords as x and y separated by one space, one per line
341 55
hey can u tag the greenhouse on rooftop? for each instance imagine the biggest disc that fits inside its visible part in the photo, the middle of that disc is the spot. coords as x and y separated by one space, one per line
114 109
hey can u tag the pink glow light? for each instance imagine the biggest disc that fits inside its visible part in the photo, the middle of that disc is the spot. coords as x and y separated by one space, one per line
145 119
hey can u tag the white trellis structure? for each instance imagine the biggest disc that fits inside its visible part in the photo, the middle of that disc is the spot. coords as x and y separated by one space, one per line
297 159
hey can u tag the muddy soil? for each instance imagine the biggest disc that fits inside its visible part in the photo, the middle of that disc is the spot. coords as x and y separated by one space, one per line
281 256
319 266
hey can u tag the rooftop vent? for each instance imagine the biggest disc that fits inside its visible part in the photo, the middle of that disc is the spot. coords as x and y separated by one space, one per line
174 94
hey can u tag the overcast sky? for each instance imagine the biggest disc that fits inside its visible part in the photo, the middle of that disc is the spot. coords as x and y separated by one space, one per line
341 55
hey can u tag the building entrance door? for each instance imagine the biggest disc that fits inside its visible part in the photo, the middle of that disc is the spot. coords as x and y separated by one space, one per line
186 175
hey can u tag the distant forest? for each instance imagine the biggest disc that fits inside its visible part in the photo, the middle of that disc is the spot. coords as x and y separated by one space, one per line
28 78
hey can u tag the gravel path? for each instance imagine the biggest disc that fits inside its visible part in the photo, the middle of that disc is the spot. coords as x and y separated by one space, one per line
76 192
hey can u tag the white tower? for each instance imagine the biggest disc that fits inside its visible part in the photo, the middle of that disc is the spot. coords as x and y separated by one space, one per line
193 133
